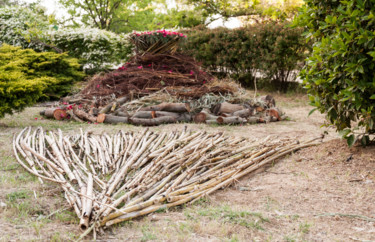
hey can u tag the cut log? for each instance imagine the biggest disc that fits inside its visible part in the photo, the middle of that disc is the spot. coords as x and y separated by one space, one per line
55 113
185 117
283 117
152 122
230 120
225 107
111 119
101 117
253 120
244 113
209 115
268 101
274 112
73 116
122 114
60 114
113 105
169 107
83 115
200 118
265 119
211 121
94 111
155 114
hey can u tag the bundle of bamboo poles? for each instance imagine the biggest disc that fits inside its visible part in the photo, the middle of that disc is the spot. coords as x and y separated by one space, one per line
108 179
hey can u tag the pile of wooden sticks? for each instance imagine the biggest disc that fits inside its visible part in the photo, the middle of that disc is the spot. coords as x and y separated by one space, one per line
108 179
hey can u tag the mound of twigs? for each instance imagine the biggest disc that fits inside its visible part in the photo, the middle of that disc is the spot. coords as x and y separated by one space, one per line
108 179
149 73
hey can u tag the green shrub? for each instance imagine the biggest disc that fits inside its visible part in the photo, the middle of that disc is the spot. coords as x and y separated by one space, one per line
27 77
271 52
97 49
339 74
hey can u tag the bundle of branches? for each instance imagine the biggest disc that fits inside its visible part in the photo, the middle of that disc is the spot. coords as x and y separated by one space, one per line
149 73
156 42
110 179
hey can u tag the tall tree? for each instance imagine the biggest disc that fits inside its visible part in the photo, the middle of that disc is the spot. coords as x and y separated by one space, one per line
103 14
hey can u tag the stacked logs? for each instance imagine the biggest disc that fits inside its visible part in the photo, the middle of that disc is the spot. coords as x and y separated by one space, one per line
262 111
108 179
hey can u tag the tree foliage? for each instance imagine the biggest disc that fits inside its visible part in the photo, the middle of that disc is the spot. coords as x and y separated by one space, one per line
108 15
279 9
27 76
125 16
95 48
339 74
17 23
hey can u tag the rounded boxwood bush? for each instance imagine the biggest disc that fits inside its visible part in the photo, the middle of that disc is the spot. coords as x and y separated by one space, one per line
27 76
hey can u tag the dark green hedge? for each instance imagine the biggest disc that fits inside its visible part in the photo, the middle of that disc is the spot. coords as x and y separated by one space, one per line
339 74
27 77
273 50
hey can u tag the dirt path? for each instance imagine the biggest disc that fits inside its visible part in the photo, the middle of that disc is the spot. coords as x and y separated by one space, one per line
323 193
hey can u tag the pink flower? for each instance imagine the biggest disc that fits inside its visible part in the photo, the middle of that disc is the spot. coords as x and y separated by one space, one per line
170 71
140 67
65 103
204 82
149 65
97 86
80 106
191 72
181 34
36 118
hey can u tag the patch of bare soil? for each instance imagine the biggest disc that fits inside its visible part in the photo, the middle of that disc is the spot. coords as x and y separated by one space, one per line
327 188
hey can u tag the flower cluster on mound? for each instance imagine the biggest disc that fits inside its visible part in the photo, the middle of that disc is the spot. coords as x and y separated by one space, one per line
157 42
163 33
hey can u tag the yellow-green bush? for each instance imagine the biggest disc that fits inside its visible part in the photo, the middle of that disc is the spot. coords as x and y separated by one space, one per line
27 77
